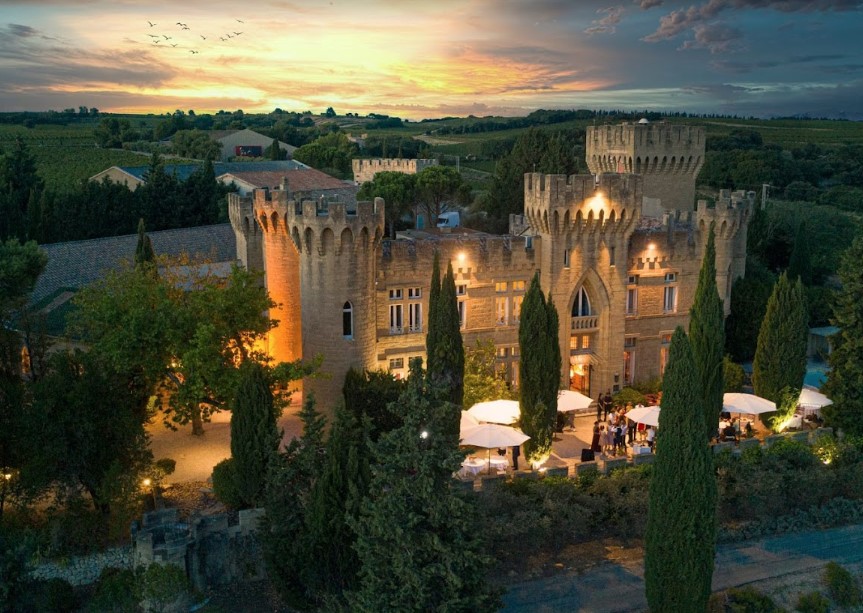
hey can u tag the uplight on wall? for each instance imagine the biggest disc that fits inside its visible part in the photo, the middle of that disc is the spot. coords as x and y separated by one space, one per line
461 257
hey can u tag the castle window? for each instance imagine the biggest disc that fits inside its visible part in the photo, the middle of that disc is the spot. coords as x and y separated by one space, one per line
629 360
348 320
415 316
670 277
633 280
501 310
631 300
665 344
669 299
611 256
414 292
396 319
518 286
461 289
516 308
581 306
566 258
500 287
462 314
396 367
396 294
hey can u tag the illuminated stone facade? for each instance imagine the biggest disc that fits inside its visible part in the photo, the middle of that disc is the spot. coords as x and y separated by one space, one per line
621 281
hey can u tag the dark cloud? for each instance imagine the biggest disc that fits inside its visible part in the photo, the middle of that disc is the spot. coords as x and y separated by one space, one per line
607 24
741 67
717 38
681 20
16 29
647 4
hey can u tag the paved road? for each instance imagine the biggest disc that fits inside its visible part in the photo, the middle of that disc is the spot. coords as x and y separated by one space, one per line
614 588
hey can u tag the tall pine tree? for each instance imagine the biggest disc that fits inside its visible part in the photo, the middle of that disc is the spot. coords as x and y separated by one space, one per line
433 331
681 520
255 435
780 357
145 257
800 263
417 537
845 378
539 372
707 336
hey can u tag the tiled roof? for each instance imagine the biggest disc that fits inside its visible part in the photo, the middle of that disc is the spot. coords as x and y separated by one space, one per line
78 263
300 180
184 171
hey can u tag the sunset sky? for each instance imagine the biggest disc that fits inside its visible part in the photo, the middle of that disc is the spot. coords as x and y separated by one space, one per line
436 57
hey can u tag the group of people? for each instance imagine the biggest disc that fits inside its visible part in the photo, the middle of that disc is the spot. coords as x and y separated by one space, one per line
613 432
732 430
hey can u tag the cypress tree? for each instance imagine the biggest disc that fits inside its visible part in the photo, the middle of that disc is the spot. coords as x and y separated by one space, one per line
539 372
254 434
433 330
800 263
707 337
417 538
681 521
145 257
780 357
331 562
845 378
450 345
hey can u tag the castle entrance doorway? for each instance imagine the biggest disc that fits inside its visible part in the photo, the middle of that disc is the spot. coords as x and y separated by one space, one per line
579 374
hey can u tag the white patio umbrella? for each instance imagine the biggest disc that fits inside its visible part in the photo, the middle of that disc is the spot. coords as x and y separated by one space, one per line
813 399
467 422
644 415
749 404
489 436
570 400
496 411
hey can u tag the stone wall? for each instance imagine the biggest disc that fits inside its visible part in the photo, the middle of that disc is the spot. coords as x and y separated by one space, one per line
84 570
365 170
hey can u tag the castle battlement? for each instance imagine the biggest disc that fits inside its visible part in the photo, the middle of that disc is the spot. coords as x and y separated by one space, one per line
730 214
629 136
558 203
276 207
470 251
365 170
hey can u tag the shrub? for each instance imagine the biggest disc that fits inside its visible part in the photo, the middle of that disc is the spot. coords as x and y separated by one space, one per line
813 602
51 595
225 484
842 585
163 587
116 591
628 395
794 454
749 600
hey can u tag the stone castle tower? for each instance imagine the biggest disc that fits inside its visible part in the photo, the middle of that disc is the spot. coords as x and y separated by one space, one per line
317 252
669 158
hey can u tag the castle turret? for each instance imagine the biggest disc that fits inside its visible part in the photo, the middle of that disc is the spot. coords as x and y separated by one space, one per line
325 258
250 246
669 158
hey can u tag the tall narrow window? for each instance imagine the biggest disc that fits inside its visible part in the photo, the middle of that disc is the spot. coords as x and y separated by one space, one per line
462 314
632 295
516 308
665 343
581 306
501 310
566 258
629 360
669 299
415 316
396 319
348 320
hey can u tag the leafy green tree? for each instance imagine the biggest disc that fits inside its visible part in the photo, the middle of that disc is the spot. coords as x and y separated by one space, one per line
255 435
370 395
681 521
800 264
288 497
85 430
145 257
158 197
437 187
481 380
417 538
332 564
780 358
196 144
845 377
707 336
734 375
539 372
331 153
398 191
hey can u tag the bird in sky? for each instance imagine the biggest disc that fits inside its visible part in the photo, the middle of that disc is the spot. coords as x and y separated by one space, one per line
153 35
166 37
186 28
173 44
192 51
222 38
151 23
229 35
237 33
241 21
202 36
179 23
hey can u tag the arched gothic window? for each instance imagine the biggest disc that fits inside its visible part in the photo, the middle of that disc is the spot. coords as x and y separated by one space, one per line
581 306
348 320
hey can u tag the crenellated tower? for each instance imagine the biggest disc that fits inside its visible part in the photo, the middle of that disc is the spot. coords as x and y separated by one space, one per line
585 223
730 218
669 158
248 234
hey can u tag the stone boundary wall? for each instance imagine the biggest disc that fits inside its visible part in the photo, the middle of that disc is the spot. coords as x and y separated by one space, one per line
83 570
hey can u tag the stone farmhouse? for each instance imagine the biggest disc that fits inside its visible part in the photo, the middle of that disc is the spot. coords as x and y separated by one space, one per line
619 251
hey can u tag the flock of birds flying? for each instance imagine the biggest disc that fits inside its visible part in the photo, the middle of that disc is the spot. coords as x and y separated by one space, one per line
163 40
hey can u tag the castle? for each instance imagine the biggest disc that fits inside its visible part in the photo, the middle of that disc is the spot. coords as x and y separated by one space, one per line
621 279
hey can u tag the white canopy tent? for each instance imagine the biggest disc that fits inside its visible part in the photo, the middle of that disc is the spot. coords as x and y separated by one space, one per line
812 399
496 411
644 415
750 404
570 400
